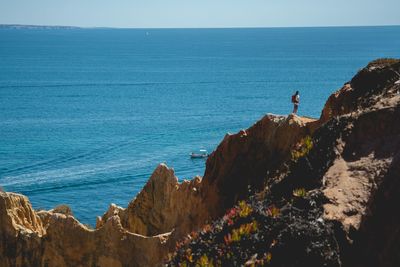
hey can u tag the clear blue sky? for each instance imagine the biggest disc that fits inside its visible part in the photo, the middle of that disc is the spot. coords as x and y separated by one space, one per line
200 13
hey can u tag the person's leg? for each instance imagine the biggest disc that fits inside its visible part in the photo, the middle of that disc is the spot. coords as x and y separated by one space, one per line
295 108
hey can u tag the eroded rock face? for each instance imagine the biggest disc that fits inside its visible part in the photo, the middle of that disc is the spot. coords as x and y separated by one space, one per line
368 144
17 214
63 241
63 209
242 161
110 245
20 232
163 205
373 87
363 161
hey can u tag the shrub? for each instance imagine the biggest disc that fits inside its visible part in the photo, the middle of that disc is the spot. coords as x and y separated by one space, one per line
300 192
244 209
273 211
238 233
302 148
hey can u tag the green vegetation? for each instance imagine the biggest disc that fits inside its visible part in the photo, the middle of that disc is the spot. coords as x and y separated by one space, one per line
241 232
273 211
302 148
300 192
244 209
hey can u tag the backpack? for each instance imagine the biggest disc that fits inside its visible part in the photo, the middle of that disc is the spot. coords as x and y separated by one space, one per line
293 98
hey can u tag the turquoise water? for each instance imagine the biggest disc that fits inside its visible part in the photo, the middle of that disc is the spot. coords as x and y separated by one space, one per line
87 114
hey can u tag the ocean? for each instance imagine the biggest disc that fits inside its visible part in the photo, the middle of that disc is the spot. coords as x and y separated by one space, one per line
87 114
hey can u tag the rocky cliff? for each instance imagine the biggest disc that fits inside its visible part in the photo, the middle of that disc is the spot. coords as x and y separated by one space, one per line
334 202
332 181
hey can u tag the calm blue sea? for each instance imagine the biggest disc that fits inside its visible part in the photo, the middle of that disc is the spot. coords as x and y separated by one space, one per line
87 114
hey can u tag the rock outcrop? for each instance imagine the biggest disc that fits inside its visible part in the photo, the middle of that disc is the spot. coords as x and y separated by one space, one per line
241 163
373 87
162 206
350 165
362 183
63 241
20 232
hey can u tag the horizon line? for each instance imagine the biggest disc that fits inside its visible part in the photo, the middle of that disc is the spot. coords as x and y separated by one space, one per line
11 25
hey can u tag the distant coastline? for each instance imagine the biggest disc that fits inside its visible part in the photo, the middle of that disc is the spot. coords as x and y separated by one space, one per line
24 26
29 26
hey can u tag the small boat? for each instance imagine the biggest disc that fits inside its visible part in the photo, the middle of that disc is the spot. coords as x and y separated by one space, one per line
201 154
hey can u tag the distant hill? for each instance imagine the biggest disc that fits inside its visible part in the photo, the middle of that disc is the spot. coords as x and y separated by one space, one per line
22 26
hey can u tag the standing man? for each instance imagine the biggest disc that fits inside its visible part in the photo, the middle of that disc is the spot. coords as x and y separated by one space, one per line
296 101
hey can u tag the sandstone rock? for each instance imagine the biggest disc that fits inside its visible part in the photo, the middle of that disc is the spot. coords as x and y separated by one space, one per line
240 164
112 211
110 244
18 215
373 87
63 209
372 101
20 232
66 242
163 205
